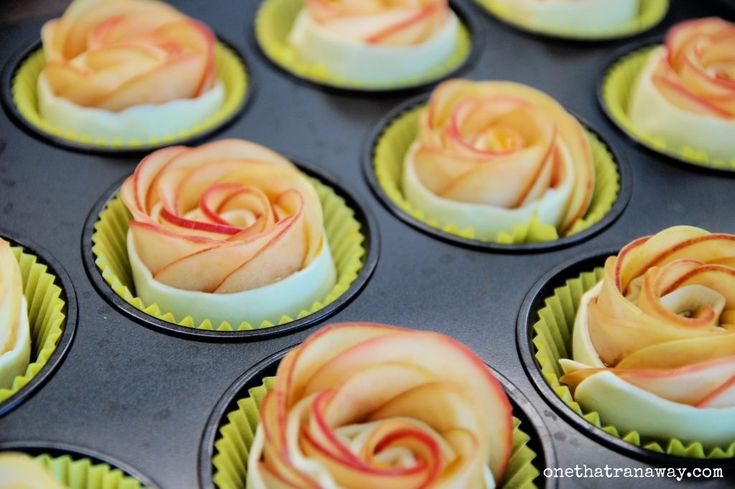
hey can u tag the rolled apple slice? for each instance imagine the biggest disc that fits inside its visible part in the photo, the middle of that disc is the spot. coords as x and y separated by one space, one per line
375 44
15 338
360 404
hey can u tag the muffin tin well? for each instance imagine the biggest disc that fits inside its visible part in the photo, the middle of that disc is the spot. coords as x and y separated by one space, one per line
351 231
154 394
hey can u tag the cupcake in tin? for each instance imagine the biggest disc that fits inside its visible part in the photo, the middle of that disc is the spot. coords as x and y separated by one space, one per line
363 404
685 92
490 162
375 42
229 231
128 69
15 336
653 345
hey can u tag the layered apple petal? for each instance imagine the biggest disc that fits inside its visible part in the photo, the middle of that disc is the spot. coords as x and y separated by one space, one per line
15 343
686 92
504 146
118 54
225 217
361 405
660 321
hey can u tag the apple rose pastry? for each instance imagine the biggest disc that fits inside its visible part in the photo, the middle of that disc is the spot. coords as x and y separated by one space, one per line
492 155
654 341
370 405
685 94
15 338
375 41
574 14
229 231
127 69
19 471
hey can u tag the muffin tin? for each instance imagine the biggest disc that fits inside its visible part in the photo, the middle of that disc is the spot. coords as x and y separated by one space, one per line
145 396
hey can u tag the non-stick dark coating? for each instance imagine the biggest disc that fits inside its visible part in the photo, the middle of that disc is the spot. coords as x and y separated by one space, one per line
143 397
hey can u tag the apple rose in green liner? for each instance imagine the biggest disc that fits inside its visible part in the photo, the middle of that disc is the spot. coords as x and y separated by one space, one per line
371 405
493 155
15 337
229 231
127 69
654 341
685 93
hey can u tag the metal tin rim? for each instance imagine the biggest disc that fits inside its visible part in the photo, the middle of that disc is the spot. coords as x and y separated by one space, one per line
372 245
12 66
624 194
532 303
69 324
465 17
523 409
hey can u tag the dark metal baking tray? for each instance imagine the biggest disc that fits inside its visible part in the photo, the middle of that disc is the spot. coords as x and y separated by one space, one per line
144 397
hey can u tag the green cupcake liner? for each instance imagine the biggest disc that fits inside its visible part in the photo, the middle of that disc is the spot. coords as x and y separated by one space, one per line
344 235
650 14
25 96
393 144
552 339
232 447
83 473
617 88
273 24
45 316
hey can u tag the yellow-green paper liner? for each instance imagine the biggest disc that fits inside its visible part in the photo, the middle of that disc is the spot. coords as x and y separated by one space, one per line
236 437
45 316
25 96
651 13
617 89
84 474
552 339
343 234
273 24
388 159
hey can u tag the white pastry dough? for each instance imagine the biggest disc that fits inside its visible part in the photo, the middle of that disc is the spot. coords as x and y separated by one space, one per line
15 361
487 221
288 296
140 123
354 60
574 14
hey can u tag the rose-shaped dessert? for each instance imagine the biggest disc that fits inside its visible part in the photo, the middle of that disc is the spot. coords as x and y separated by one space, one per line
654 341
375 42
18 470
229 231
492 155
573 14
127 69
685 94
370 405
15 338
